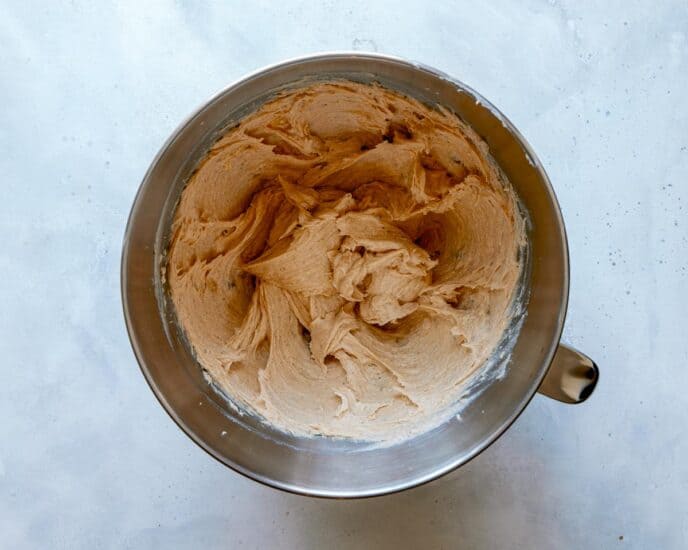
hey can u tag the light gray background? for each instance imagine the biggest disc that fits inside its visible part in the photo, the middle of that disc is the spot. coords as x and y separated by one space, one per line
90 91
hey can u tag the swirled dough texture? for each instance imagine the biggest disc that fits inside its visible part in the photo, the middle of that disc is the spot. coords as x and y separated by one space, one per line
344 259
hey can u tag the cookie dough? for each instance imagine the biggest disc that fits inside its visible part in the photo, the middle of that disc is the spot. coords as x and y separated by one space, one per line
344 259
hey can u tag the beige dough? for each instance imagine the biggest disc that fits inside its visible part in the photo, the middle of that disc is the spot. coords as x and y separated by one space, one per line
344 260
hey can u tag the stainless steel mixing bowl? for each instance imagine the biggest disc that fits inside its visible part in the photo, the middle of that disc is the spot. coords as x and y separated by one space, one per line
323 466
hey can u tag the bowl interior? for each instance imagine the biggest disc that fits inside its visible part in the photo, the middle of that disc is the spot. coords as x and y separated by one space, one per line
325 466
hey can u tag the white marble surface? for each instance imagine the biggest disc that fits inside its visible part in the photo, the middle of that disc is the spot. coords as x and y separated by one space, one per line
89 91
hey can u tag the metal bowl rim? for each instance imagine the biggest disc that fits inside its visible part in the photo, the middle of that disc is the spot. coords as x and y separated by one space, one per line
388 488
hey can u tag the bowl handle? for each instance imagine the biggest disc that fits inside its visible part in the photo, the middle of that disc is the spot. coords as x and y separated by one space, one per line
571 377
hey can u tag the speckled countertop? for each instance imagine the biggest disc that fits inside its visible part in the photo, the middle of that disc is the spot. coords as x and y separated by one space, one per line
88 459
